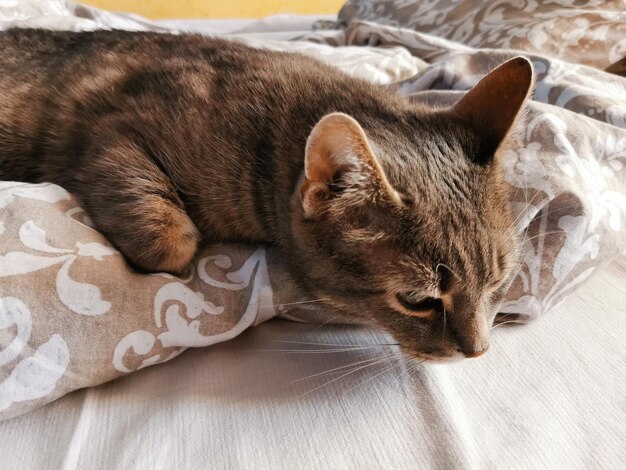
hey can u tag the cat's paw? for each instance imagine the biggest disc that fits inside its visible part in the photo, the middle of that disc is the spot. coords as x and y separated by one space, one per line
170 241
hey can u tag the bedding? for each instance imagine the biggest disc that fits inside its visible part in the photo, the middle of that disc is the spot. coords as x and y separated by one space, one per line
588 32
550 394
91 318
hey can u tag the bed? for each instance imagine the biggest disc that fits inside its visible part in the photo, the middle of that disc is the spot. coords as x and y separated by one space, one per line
290 394
550 394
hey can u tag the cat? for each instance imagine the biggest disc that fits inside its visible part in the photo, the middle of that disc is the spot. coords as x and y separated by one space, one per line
391 213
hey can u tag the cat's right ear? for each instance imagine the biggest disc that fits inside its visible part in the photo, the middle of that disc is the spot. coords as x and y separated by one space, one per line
339 160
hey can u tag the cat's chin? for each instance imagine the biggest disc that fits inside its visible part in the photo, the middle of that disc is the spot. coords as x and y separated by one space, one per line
419 357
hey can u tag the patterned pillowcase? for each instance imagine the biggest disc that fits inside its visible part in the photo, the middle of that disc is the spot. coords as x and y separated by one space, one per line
590 32
73 314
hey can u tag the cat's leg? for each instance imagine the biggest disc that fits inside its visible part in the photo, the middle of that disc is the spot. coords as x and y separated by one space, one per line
135 205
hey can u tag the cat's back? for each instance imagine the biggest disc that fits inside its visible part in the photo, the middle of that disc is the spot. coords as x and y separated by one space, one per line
54 80
63 55
21 45
189 96
119 69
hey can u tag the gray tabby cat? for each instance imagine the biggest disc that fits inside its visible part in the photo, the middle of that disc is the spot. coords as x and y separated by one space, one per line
392 213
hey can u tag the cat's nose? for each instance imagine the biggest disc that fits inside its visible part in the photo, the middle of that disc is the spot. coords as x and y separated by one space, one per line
471 345
474 350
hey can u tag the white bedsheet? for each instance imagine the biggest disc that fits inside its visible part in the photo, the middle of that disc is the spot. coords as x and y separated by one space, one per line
551 394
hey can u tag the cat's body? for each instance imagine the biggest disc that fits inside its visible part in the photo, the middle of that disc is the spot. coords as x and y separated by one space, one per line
224 123
167 140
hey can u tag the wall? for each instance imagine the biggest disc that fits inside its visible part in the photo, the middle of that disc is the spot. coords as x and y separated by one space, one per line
217 8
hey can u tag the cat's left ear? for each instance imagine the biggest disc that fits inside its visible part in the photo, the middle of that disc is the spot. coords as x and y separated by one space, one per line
338 160
492 106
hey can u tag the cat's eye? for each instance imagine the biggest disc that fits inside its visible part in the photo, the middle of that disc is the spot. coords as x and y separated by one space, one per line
415 302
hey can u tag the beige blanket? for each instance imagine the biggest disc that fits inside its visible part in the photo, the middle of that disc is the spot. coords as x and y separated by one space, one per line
73 314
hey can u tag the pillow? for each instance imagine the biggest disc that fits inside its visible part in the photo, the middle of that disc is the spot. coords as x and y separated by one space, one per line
590 32
73 314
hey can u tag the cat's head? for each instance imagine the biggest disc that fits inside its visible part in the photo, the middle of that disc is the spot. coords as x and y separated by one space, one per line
407 225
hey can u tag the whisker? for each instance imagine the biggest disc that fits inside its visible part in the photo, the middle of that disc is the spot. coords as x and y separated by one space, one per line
521 262
554 232
528 204
412 368
319 351
523 212
550 212
335 369
332 344
386 369
517 188
525 232
299 303
343 375
324 323
560 208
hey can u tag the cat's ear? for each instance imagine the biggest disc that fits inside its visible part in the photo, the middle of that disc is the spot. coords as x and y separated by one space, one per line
339 160
493 104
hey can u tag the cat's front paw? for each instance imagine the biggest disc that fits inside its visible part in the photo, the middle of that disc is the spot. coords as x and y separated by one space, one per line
169 245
